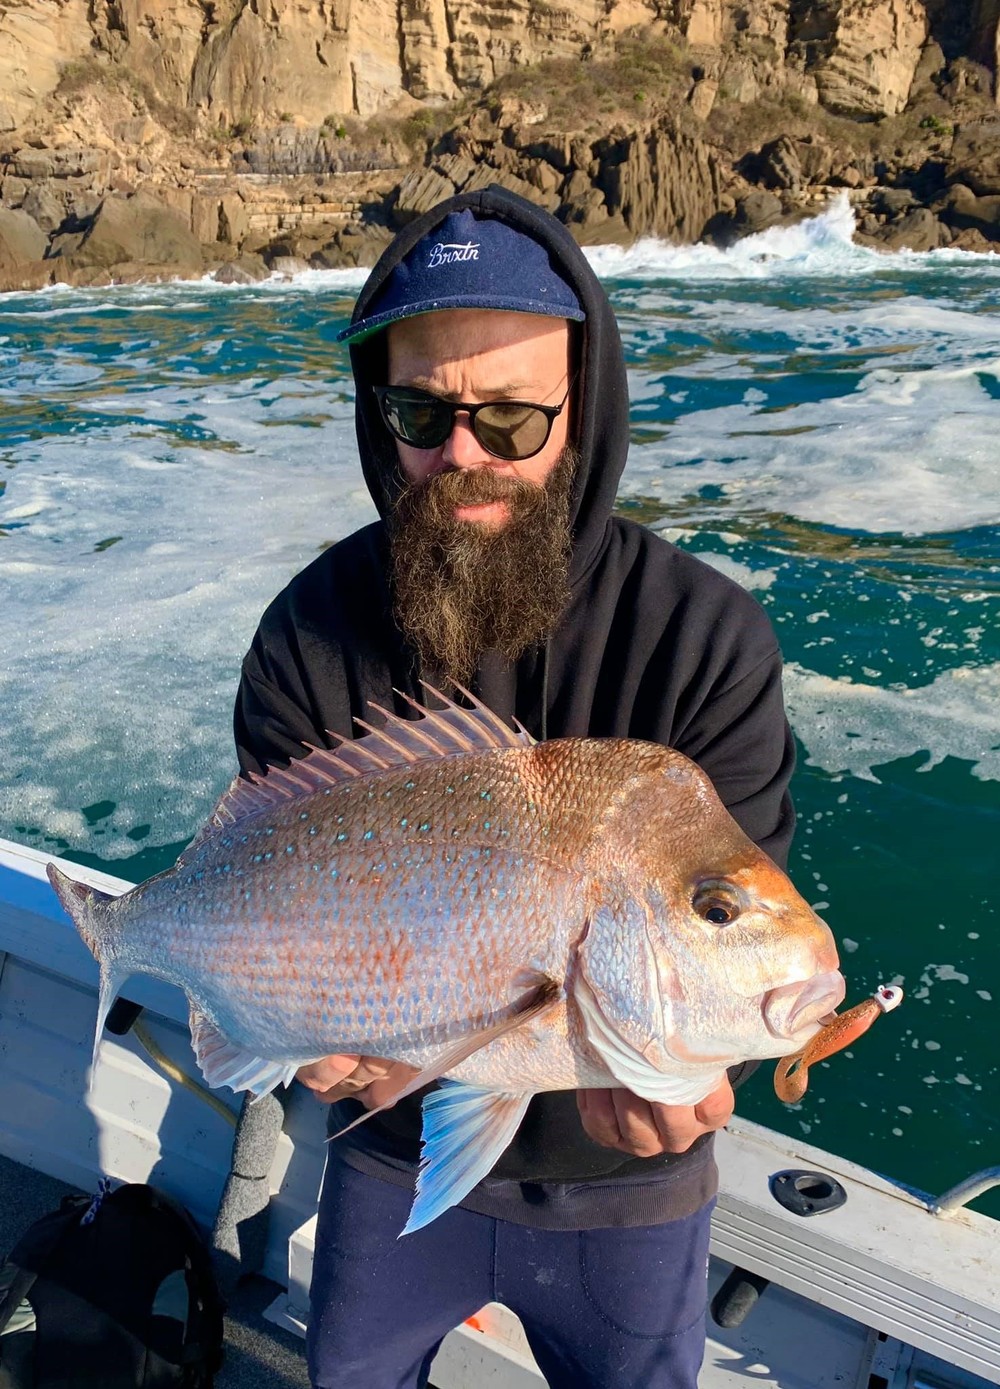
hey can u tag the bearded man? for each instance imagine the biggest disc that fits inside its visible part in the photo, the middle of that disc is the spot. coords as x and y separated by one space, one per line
492 420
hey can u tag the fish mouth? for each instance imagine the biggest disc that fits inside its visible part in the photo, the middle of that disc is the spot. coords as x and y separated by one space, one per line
796 1012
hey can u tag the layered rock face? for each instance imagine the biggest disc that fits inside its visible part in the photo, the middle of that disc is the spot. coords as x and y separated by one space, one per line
151 136
237 61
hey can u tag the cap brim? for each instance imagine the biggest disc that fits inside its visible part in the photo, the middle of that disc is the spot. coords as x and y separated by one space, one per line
365 327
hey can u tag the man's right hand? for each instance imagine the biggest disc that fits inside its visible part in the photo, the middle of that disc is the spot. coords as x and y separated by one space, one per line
366 1078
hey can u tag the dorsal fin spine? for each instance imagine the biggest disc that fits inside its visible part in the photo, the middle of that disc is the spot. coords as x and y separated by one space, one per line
452 731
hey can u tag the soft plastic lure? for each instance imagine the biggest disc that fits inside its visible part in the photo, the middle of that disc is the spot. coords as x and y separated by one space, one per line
791 1076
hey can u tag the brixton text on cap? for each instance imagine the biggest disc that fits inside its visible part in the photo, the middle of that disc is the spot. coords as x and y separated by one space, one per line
469 262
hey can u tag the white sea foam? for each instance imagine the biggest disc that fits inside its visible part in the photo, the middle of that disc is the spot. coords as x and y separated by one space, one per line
852 727
740 573
118 665
905 452
817 246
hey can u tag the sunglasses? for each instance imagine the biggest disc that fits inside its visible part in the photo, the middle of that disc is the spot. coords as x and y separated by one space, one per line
508 429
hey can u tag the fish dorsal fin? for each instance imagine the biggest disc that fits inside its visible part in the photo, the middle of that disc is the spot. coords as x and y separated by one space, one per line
437 733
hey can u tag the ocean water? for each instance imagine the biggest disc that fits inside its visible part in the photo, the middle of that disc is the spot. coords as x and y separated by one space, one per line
818 421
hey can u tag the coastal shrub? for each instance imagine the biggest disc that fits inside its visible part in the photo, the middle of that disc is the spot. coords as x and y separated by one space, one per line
937 125
645 73
81 74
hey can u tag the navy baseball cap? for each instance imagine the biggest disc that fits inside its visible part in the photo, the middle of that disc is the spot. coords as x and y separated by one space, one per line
469 262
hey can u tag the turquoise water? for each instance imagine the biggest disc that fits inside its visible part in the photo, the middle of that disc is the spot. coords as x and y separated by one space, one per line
821 423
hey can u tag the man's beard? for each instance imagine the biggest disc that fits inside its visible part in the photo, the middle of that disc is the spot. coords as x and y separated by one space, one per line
461 587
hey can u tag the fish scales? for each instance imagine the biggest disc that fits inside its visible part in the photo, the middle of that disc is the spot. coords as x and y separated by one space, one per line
413 881
513 917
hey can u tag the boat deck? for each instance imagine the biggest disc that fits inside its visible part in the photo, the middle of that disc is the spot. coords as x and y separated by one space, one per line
787 1342
259 1355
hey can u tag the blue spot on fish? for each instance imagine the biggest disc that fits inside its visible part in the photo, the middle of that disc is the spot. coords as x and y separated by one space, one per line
341 836
368 834
289 848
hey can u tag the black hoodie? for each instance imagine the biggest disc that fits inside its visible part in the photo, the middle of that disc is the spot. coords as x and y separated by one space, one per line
653 644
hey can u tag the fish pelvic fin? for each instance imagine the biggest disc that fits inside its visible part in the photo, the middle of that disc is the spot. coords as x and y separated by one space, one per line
398 742
222 1062
92 913
530 1006
465 1131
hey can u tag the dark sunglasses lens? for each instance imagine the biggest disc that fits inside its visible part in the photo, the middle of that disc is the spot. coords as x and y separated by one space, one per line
421 421
511 431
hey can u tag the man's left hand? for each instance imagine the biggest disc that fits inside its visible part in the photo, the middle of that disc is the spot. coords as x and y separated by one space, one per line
641 1128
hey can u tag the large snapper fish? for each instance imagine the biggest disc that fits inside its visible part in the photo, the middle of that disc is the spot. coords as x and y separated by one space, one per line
516 917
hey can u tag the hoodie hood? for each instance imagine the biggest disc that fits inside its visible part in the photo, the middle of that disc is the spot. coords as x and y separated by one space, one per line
600 425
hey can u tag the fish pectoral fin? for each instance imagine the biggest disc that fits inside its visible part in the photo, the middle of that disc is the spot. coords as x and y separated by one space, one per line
222 1062
465 1131
530 1006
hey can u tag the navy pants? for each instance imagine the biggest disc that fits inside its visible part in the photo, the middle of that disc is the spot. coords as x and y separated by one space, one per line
602 1309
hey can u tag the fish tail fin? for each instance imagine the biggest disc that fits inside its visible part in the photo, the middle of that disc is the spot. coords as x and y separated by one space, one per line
99 929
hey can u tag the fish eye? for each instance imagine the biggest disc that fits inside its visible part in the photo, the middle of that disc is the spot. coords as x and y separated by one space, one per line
716 903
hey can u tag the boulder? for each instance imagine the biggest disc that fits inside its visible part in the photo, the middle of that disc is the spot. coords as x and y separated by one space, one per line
791 164
13 191
138 231
420 191
963 210
543 177
205 217
891 202
918 230
485 176
975 157
234 220
245 270
25 274
359 243
41 203
21 238
701 97
31 163
755 212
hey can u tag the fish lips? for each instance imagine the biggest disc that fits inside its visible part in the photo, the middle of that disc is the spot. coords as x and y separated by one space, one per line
795 1012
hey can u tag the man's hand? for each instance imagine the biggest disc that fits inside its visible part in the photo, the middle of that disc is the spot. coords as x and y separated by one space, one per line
619 1119
365 1078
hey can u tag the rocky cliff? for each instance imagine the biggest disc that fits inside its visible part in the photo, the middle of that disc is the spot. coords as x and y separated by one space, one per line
175 134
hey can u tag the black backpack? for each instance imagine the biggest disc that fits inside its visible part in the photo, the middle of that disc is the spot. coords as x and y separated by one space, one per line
114 1292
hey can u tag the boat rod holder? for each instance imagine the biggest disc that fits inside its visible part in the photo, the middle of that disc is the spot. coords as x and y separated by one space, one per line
957 1196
